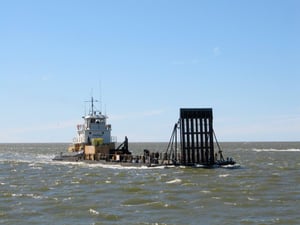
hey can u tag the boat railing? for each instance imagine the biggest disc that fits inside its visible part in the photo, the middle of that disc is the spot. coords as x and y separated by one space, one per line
153 158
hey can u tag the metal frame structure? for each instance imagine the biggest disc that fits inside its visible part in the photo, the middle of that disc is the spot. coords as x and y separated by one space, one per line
196 135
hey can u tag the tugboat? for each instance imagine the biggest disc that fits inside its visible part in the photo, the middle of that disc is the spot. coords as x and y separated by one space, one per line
94 143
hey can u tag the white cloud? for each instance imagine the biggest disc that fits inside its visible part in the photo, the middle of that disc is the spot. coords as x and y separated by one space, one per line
195 61
177 62
216 51
154 112
185 62
134 115
44 78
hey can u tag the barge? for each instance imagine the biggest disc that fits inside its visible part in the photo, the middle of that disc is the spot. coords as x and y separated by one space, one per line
191 144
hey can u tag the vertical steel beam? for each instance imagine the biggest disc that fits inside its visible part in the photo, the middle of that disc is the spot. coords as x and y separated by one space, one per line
188 147
197 139
183 141
205 141
202 140
192 140
211 141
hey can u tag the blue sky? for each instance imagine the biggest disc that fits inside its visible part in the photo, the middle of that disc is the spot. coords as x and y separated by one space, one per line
242 58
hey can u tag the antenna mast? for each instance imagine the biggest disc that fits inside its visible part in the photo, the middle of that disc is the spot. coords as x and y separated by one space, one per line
92 105
100 97
92 100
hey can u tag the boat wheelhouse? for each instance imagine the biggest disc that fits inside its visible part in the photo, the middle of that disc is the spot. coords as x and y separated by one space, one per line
94 131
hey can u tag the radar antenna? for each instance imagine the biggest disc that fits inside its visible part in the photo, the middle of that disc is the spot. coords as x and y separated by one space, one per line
92 104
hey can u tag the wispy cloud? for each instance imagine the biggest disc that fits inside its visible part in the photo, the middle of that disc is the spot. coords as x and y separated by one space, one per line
43 127
144 114
186 62
154 112
178 62
44 78
195 61
217 51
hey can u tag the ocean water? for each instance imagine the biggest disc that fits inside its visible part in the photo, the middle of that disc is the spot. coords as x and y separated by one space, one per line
37 190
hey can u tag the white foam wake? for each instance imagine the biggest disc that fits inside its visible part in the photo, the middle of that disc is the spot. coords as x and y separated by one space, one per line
276 150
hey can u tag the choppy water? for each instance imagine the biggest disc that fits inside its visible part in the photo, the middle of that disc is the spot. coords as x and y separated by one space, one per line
36 190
